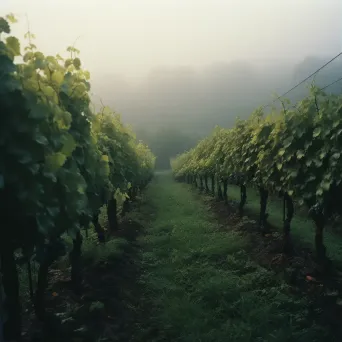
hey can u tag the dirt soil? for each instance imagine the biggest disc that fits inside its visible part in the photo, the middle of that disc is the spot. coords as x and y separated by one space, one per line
107 308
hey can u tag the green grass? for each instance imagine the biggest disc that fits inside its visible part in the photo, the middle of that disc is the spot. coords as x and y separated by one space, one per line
200 281
94 253
302 228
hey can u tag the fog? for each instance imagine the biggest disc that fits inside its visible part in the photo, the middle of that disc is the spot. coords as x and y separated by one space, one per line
176 68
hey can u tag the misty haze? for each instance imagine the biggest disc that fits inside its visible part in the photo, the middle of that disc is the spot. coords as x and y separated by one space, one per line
175 69
170 170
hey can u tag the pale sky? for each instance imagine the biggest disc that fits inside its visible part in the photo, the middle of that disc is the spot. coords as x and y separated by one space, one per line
131 37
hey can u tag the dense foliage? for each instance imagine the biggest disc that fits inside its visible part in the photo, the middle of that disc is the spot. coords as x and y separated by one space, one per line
59 161
294 152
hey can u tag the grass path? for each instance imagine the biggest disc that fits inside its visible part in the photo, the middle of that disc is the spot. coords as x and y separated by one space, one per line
198 282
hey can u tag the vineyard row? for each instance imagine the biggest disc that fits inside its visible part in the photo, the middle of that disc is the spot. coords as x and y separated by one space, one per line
294 153
60 162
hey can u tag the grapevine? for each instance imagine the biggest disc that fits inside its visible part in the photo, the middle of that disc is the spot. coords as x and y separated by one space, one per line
59 163
295 153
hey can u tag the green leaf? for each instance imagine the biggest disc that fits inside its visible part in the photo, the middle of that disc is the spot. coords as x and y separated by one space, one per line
4 26
311 178
281 152
28 71
41 139
69 145
11 18
39 55
319 192
316 132
80 89
288 142
50 92
14 45
55 161
29 35
294 173
77 63
28 56
336 123
318 162
68 62
322 155
57 77
300 154
39 61
95 306
86 75
308 162
63 119
336 155
326 185
51 176
30 47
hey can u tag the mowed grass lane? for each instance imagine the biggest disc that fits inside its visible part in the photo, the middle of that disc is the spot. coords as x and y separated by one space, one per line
200 282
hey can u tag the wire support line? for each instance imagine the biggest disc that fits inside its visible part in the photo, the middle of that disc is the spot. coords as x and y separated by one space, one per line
301 82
